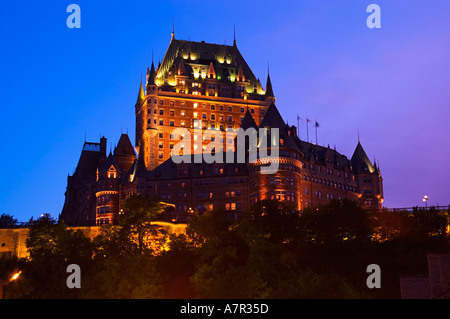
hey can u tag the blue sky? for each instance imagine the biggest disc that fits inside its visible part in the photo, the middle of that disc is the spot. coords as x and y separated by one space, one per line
390 84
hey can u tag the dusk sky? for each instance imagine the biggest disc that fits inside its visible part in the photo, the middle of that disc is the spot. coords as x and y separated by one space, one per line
390 84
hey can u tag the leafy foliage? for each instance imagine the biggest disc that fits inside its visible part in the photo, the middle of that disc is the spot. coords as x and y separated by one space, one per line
272 251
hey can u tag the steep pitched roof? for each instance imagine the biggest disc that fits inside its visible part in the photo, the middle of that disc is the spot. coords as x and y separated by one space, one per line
360 161
110 161
273 118
124 147
141 95
151 75
224 58
269 89
87 164
248 121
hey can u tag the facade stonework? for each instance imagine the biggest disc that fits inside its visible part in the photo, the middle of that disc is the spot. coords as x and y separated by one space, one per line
207 87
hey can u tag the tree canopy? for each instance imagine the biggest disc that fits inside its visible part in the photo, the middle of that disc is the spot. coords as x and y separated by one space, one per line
270 251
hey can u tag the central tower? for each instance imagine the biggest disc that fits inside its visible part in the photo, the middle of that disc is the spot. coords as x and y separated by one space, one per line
197 85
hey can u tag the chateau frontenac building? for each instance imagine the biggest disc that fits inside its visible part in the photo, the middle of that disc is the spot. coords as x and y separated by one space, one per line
203 86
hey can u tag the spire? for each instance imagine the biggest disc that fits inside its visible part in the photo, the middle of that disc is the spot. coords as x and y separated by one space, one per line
269 90
234 37
173 28
151 75
141 95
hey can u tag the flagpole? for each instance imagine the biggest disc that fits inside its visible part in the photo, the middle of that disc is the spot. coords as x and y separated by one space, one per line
298 126
316 125
307 130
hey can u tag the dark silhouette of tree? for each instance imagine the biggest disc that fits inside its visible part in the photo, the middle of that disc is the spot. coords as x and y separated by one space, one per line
52 247
339 222
8 221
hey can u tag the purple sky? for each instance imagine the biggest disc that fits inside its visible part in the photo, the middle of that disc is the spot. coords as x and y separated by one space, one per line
390 84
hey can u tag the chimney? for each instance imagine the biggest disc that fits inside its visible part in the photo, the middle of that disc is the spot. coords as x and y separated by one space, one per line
103 146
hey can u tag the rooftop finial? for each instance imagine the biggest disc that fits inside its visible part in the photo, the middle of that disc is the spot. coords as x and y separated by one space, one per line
234 31
173 28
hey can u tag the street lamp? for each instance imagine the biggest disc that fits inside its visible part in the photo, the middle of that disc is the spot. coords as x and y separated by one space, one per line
426 199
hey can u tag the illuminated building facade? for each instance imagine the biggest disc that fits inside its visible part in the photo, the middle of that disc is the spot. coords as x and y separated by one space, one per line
203 86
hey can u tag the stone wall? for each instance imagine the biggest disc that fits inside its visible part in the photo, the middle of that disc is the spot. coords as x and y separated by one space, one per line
13 240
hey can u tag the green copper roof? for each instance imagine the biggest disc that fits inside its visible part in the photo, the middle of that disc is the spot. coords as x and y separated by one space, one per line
226 60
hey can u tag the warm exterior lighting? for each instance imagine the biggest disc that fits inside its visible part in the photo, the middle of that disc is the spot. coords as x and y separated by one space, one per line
426 199
16 275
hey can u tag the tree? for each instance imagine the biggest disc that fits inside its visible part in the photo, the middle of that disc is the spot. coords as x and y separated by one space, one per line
138 213
431 222
272 219
222 270
52 247
8 221
339 222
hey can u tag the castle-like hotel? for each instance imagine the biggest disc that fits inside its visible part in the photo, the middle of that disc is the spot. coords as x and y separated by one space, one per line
207 86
